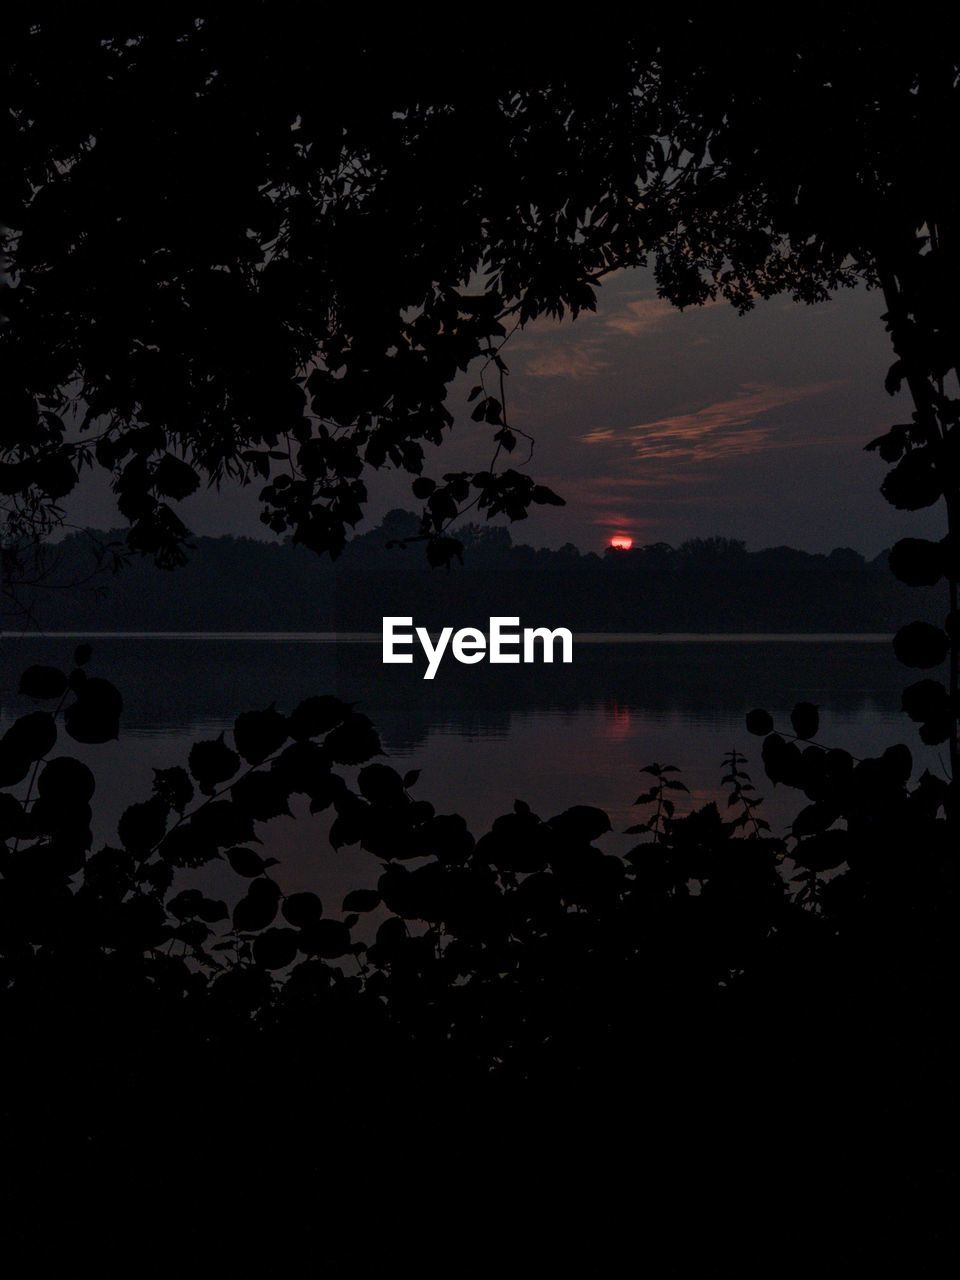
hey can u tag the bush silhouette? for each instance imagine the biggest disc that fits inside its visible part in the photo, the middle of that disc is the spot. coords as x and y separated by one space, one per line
552 984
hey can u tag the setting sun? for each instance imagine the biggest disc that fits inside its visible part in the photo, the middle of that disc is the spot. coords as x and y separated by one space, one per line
621 541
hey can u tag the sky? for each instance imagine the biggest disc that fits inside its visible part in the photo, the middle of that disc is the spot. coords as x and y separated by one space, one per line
666 425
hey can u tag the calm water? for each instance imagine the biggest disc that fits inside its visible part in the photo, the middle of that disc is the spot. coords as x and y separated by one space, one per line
482 735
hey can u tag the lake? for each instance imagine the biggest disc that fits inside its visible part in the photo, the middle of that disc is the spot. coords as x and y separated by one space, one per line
486 735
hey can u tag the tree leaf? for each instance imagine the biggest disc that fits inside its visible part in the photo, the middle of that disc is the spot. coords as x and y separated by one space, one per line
43 682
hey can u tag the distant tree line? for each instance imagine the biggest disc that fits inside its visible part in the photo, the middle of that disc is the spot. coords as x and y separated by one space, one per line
245 584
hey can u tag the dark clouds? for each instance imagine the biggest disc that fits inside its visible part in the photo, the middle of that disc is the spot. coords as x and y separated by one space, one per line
669 425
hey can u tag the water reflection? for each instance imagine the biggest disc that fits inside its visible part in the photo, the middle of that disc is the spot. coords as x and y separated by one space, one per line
483 735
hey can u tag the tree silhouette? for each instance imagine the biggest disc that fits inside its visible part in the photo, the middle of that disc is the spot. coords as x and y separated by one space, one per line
199 291
260 252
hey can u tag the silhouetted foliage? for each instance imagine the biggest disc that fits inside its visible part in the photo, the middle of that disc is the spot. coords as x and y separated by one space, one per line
252 320
242 342
260 250
527 959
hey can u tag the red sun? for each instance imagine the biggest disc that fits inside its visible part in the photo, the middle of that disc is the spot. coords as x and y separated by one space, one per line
622 541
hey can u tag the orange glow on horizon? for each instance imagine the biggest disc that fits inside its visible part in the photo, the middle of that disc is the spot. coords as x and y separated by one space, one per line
622 541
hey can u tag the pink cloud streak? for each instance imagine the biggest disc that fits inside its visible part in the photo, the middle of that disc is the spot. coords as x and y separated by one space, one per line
726 428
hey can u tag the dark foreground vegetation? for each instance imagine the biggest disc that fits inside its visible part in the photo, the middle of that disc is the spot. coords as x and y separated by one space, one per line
725 1046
